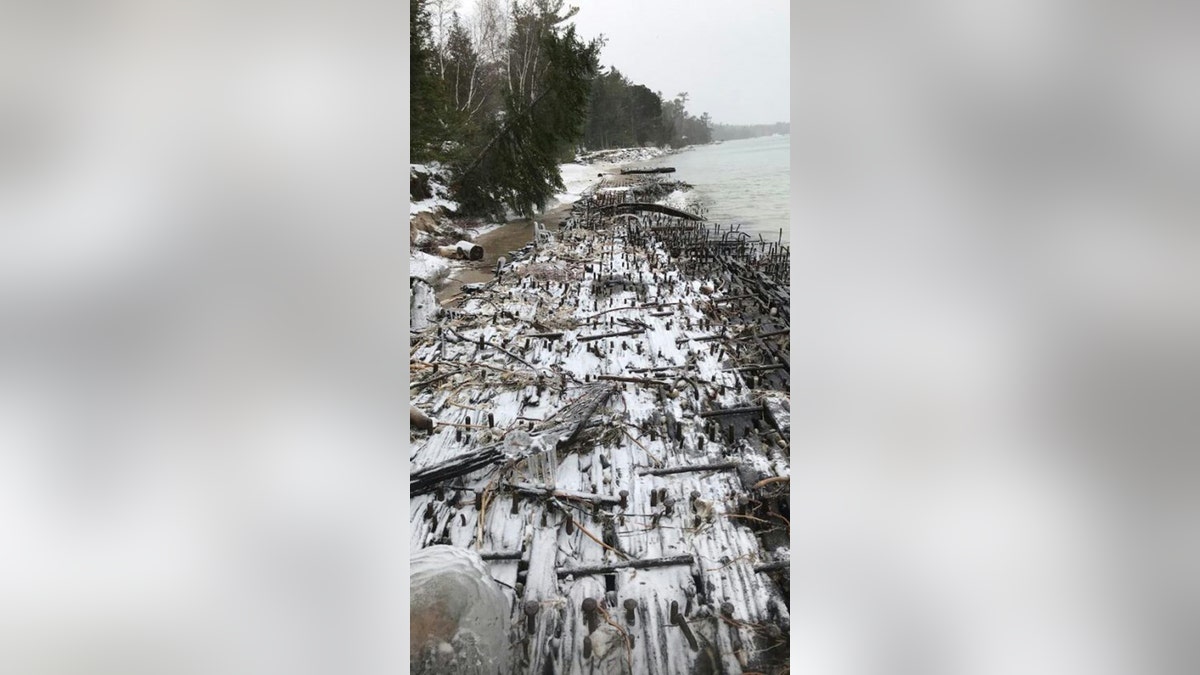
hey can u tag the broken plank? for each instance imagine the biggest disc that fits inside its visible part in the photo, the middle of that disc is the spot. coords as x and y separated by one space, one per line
635 380
645 563
500 555
589 338
720 466
542 491
732 411
757 368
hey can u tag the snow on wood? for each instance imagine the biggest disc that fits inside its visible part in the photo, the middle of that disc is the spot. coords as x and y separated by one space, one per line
627 480
469 250
423 307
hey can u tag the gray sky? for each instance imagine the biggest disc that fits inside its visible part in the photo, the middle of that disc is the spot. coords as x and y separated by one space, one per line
730 56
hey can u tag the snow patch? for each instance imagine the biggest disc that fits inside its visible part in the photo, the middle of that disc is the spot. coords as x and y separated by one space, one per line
623 155
432 204
427 267
439 185
423 307
578 179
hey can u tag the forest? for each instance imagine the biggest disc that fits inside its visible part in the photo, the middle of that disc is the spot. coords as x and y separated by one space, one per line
734 132
503 96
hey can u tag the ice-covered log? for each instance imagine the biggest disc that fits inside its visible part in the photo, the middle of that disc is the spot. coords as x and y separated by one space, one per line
463 250
423 306
469 251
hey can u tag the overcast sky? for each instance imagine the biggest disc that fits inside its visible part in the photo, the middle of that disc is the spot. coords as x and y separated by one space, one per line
731 57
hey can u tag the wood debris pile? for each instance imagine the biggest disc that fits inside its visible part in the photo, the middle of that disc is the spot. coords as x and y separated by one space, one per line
612 438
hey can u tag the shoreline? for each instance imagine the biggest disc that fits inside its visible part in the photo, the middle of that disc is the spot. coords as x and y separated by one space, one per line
497 242
499 239
605 419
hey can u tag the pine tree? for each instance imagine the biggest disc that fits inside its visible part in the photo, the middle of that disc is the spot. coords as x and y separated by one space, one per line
549 77
427 99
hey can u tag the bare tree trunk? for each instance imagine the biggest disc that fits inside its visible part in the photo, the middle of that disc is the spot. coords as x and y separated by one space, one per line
466 105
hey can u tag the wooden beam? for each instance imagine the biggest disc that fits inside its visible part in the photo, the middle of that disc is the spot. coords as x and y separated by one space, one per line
635 380
765 366
500 555
645 563
733 411
589 338
542 491
720 466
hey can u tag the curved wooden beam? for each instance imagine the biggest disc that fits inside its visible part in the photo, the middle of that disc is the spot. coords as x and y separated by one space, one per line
635 207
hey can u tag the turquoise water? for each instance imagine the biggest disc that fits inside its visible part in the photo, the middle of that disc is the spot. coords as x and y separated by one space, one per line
743 181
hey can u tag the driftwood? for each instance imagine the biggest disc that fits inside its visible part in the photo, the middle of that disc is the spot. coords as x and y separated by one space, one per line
419 420
464 250
733 411
756 368
703 338
425 480
773 333
535 530
563 429
501 555
721 466
575 416
469 250
638 564
635 380
542 491
662 169
638 207
748 296
619 309
588 338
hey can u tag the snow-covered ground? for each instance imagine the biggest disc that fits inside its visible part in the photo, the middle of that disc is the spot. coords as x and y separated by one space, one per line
437 185
582 174
578 178
473 232
431 204
623 155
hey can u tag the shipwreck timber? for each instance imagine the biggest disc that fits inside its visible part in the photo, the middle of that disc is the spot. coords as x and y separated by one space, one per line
612 437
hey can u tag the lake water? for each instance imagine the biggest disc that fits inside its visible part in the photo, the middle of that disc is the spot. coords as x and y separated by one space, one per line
745 181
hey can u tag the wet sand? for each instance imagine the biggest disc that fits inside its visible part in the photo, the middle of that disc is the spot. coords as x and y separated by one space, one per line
496 243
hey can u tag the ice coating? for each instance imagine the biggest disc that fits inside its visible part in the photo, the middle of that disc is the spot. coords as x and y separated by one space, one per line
423 306
458 614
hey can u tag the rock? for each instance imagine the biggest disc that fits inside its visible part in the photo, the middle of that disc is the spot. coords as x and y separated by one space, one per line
418 185
422 228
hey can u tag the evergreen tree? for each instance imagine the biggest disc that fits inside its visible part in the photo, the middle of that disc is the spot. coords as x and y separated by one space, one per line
426 96
549 76
646 111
